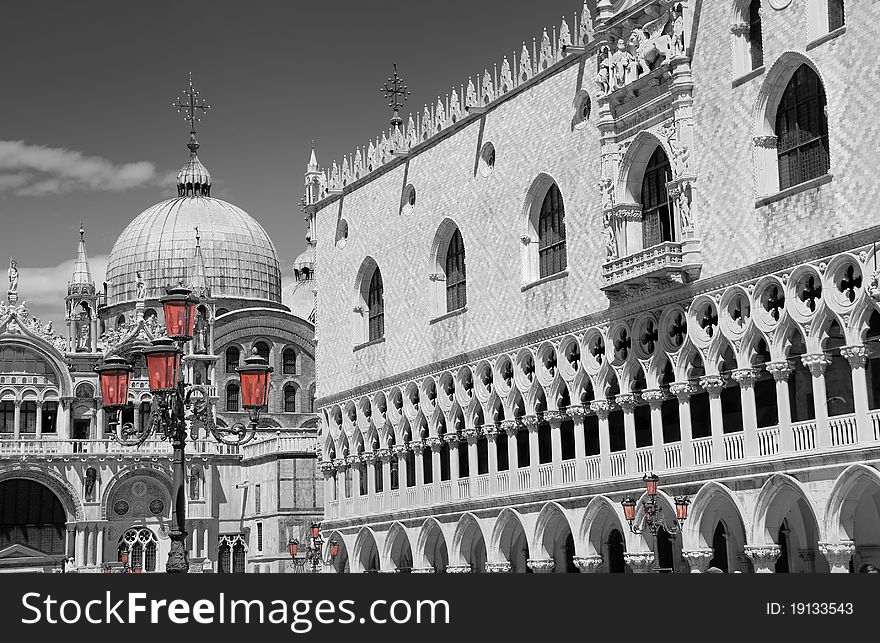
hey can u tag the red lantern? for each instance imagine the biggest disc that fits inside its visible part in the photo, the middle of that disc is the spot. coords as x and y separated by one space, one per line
334 548
293 546
180 313
163 364
115 374
318 545
137 569
316 530
681 508
124 558
629 508
255 382
651 484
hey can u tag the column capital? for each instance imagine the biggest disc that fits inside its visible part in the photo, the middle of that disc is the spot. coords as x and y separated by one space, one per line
654 397
739 29
554 418
682 390
712 384
17 403
369 457
472 435
779 370
575 412
491 431
326 465
340 463
434 443
838 554
400 450
641 562
699 559
423 570
627 401
588 564
857 356
498 568
510 426
531 422
541 565
601 408
745 377
458 569
762 556
451 439
816 362
353 460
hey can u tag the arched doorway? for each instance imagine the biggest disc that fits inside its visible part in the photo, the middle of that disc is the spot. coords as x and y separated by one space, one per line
555 539
32 525
615 550
434 547
471 544
400 551
368 556
512 543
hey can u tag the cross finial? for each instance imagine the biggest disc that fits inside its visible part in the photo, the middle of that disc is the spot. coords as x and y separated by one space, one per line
82 230
198 237
396 93
188 106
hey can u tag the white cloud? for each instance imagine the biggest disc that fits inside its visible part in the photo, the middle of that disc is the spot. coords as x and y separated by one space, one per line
44 289
35 170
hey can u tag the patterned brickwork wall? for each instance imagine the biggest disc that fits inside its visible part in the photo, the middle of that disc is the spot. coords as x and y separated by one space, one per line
532 133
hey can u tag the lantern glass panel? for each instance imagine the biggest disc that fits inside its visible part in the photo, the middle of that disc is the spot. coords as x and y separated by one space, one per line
179 317
651 484
293 546
163 368
334 548
629 509
255 388
114 387
316 530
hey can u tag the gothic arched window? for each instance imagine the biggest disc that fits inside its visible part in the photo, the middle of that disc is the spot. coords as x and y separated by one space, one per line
456 276
802 130
233 395
551 234
656 210
288 359
290 399
756 42
233 358
376 306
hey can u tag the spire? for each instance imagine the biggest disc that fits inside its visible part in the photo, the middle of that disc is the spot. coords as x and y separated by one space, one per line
81 282
312 167
199 280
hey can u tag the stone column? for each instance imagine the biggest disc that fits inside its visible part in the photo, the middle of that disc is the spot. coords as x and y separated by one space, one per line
492 448
627 402
472 436
640 562
654 398
370 471
452 441
63 419
138 418
838 555
100 417
400 452
434 444
340 480
698 559
577 415
385 462
356 464
554 418
541 565
90 545
503 567
745 377
80 558
713 385
531 423
511 427
208 470
39 427
602 409
99 543
763 557
588 564
817 363
683 391
857 356
16 427
206 543
781 372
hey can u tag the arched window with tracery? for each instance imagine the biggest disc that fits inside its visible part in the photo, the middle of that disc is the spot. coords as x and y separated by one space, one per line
140 545
552 257
657 220
233 397
290 398
233 359
376 306
288 361
456 276
802 129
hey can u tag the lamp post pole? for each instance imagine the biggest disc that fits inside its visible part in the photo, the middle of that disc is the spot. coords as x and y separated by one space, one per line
179 406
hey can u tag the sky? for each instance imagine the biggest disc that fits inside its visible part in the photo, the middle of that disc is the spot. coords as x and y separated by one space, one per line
87 131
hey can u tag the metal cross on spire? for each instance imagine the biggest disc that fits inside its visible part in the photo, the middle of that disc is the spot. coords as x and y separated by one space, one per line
396 93
188 105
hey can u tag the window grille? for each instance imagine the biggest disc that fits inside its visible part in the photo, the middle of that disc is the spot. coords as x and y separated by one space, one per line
456 276
656 211
802 130
376 305
551 234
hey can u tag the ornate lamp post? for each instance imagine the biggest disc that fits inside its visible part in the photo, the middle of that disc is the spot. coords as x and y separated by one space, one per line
312 554
652 515
178 405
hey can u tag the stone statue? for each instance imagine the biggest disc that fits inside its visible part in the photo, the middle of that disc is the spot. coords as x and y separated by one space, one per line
194 484
48 329
141 287
650 44
620 65
200 334
602 79
608 237
684 212
91 477
85 335
13 278
678 48
680 160
606 187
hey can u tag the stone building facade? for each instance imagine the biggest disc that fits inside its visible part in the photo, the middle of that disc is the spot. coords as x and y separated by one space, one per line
70 492
645 243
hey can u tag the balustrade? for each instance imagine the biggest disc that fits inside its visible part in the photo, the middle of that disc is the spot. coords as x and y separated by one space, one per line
734 446
618 463
702 450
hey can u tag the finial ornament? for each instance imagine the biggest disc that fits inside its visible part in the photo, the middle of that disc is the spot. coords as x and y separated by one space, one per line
82 230
188 105
396 93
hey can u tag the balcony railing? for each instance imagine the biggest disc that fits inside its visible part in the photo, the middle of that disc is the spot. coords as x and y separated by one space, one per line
545 475
663 261
286 442
107 446
523 479
644 459
502 481
768 441
483 485
618 463
569 471
592 464
804 434
734 446
702 451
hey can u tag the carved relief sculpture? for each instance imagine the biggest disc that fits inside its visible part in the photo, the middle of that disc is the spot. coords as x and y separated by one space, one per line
620 64
650 44
678 46
608 237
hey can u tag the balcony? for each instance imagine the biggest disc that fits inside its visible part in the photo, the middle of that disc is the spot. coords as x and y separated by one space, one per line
287 442
664 264
107 447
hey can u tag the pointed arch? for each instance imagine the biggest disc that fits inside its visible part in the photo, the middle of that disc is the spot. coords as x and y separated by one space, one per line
778 495
365 556
469 543
848 490
713 502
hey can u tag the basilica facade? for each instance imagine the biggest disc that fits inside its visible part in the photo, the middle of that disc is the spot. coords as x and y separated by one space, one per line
644 243
72 498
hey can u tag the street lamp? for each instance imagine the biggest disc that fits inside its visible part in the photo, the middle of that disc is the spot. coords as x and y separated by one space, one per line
653 512
312 554
178 406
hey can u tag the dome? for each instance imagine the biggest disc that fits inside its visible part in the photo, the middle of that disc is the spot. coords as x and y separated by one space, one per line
304 265
240 258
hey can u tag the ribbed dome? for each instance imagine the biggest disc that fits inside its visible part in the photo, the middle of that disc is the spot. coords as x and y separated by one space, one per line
240 258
